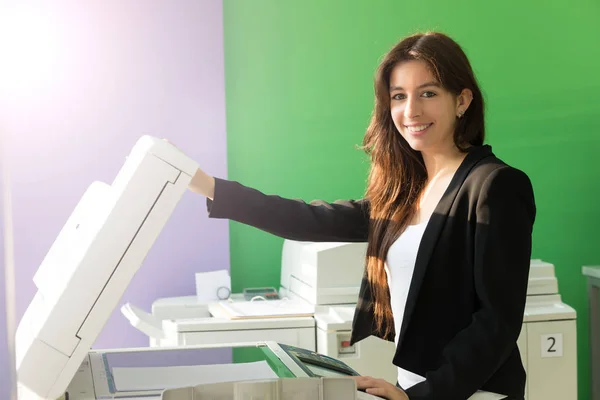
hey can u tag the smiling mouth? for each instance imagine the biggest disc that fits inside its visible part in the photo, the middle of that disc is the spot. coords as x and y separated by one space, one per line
417 128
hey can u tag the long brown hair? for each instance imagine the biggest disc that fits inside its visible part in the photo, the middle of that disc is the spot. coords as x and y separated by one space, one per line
398 174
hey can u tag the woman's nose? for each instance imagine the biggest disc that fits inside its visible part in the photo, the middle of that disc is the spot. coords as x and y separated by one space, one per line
413 108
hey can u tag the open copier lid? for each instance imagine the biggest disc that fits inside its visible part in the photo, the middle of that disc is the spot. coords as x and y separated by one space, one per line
92 261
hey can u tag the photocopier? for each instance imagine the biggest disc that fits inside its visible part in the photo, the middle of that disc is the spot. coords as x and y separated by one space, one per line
325 275
82 278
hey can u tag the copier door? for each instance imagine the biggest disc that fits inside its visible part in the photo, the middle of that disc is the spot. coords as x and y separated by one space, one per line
549 353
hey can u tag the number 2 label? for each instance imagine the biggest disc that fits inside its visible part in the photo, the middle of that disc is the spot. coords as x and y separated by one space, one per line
552 345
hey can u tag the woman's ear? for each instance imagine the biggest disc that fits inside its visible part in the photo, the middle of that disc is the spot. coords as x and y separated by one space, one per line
463 101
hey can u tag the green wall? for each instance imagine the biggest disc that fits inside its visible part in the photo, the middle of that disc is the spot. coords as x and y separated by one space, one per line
299 96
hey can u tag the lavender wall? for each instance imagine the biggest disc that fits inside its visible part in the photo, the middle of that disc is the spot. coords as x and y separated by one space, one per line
107 73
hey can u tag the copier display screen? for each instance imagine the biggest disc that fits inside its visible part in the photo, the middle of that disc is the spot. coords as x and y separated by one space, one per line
325 372
315 364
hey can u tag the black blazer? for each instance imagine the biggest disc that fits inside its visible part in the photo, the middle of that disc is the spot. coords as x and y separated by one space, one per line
466 300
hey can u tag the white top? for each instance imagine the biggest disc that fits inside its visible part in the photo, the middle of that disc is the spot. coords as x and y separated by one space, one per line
399 267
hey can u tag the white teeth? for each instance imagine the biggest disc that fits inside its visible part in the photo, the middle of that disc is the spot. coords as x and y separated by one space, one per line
417 128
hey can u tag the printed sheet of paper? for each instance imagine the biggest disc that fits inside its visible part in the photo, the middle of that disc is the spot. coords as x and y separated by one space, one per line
213 285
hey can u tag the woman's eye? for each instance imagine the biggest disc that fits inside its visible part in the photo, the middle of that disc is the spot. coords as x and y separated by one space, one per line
398 96
428 94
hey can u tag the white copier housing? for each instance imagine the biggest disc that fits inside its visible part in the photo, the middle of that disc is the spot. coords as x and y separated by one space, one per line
92 261
548 340
322 273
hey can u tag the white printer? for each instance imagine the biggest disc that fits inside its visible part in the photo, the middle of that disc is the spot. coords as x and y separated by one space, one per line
325 275
548 340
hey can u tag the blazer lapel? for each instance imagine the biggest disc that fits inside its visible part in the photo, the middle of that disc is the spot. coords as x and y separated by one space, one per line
434 228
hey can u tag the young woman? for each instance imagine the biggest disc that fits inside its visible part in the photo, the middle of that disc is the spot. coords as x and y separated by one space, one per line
448 226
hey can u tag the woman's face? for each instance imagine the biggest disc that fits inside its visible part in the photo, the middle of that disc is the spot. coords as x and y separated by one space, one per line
424 113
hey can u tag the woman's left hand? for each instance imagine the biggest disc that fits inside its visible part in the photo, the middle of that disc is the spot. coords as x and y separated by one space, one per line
380 387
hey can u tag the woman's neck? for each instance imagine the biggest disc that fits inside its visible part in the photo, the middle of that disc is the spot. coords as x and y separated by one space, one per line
441 163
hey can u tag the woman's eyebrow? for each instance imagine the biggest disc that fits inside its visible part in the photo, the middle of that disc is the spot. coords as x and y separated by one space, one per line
418 87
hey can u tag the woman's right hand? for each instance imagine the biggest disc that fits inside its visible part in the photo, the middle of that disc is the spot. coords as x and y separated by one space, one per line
203 184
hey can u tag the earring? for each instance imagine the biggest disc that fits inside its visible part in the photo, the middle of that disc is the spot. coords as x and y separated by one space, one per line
460 114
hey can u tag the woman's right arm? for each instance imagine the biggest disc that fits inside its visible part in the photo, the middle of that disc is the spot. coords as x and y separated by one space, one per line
317 221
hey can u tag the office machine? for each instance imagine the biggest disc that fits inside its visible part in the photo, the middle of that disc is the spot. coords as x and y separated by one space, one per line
548 339
174 373
325 277
84 274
